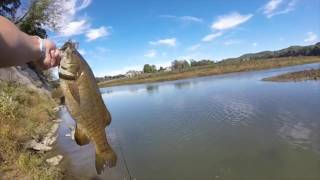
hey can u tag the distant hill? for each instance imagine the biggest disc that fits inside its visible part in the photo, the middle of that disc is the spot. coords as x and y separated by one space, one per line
292 51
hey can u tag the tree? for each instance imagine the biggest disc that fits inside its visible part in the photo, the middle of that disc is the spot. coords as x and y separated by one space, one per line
180 64
8 8
203 62
153 68
147 68
161 69
40 14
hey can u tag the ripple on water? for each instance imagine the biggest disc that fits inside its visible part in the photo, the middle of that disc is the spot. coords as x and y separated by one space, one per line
233 111
292 130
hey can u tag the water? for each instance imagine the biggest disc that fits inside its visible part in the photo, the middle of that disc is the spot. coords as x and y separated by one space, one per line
219 127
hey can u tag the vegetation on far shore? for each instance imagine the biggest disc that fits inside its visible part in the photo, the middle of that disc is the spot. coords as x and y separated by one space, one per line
24 114
213 69
311 74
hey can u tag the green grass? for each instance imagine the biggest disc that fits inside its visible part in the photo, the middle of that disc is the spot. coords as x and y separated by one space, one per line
24 114
215 69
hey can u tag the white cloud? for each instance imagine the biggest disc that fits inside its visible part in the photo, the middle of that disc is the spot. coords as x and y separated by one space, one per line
82 52
254 44
84 4
93 34
271 6
194 47
191 18
151 54
311 37
74 28
70 24
230 21
168 42
211 37
183 18
276 7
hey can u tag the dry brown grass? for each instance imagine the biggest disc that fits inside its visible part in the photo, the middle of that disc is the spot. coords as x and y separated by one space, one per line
215 69
312 74
24 114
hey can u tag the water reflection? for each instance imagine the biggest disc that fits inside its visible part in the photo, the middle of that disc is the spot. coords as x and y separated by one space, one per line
228 127
152 88
182 84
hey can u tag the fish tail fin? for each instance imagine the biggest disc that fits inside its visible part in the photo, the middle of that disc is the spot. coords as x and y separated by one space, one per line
105 159
80 137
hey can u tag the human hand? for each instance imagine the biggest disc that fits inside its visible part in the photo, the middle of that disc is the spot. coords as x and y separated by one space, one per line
52 55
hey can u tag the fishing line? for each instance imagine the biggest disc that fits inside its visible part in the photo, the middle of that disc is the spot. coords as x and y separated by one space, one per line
122 154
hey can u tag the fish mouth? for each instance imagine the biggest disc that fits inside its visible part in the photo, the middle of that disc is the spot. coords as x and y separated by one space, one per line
65 74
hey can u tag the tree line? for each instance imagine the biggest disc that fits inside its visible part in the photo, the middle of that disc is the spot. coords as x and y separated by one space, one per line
177 65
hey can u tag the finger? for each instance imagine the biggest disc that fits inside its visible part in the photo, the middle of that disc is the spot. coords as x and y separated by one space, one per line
52 59
57 55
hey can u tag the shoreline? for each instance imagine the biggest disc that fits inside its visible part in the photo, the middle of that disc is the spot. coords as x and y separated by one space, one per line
216 69
311 74
28 118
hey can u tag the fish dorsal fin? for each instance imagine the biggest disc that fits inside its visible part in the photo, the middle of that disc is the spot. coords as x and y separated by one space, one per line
80 137
74 90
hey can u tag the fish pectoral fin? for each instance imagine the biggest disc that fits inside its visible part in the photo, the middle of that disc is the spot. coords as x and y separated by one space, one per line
107 119
80 137
74 90
105 159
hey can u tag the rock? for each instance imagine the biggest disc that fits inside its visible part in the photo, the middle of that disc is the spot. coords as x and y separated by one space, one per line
54 129
56 109
72 129
54 161
57 121
37 146
72 134
51 137
48 141
24 75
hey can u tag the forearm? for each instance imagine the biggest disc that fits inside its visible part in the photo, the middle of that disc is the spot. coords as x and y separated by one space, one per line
16 47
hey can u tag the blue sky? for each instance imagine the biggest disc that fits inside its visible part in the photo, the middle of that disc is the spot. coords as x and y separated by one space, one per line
116 36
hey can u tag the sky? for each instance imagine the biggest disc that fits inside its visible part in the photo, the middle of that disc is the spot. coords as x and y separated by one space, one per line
116 35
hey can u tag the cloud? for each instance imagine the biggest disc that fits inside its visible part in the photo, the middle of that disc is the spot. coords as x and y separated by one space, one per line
194 47
84 4
168 42
183 18
230 21
74 28
211 37
254 44
271 6
70 24
276 7
82 52
93 34
151 54
311 37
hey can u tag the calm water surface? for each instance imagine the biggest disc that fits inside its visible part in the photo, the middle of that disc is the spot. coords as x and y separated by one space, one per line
220 127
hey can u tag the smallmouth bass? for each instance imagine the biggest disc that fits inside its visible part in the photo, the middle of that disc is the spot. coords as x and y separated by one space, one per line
84 102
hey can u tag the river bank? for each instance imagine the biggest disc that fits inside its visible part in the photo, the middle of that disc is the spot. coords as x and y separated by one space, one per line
28 124
215 69
312 74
